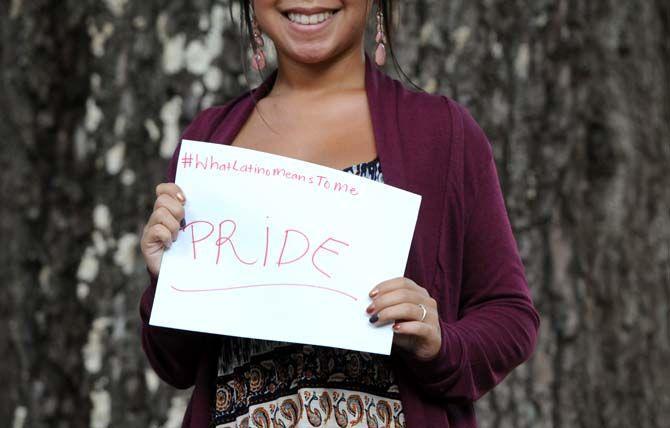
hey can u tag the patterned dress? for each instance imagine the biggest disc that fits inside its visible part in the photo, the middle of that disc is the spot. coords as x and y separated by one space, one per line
264 383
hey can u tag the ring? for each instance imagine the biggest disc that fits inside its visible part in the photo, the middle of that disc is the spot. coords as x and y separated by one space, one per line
423 317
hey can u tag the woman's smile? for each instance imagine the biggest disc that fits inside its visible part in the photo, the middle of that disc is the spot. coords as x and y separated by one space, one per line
311 32
309 20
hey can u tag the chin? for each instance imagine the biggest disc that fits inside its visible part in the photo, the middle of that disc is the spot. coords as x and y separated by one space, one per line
312 54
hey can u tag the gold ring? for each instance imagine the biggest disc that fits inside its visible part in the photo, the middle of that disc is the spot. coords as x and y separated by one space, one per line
423 317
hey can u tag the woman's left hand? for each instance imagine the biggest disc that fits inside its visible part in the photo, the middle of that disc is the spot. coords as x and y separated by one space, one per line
398 300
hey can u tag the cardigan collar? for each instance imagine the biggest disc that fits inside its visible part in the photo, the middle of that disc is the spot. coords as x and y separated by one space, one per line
382 93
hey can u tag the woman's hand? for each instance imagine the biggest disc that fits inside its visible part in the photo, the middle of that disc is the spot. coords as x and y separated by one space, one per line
398 300
163 225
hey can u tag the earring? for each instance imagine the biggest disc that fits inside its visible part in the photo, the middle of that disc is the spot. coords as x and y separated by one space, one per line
380 52
258 60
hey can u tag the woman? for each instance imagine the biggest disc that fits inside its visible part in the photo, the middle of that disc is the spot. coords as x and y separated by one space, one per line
462 316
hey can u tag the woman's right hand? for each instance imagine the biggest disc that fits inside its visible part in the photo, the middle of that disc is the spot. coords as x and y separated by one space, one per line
163 225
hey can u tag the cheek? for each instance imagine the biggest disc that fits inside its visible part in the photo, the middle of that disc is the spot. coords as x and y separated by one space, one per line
263 4
359 16
264 11
354 21
358 3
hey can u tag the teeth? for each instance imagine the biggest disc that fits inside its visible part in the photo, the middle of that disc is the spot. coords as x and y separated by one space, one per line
309 19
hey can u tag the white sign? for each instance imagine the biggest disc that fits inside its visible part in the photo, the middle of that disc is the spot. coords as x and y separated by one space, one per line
280 249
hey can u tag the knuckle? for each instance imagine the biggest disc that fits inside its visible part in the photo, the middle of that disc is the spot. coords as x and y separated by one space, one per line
167 217
408 327
160 214
385 315
151 234
169 201
172 225
167 214
164 233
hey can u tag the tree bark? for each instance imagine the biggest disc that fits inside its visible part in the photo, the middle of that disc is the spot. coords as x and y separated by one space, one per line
573 94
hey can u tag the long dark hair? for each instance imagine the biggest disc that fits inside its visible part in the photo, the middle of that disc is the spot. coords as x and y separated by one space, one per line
389 10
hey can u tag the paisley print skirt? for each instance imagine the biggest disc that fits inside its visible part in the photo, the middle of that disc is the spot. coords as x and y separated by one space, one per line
297 385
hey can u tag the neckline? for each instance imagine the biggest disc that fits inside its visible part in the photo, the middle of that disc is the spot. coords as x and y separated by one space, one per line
380 90
362 164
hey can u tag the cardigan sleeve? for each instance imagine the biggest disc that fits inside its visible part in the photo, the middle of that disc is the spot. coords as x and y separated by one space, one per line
497 325
174 354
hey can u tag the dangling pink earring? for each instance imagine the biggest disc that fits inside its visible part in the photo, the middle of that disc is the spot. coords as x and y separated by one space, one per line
258 60
380 52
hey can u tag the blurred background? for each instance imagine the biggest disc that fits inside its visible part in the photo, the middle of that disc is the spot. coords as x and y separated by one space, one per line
573 94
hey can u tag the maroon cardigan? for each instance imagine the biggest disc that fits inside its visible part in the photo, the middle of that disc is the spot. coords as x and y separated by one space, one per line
463 252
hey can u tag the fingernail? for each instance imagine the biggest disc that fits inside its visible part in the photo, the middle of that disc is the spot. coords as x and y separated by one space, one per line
182 223
374 292
374 318
180 197
370 309
396 327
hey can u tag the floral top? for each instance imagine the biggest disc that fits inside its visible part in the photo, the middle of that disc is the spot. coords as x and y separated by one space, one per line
265 383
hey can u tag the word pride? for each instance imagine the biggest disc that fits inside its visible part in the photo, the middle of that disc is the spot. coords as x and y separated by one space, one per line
295 245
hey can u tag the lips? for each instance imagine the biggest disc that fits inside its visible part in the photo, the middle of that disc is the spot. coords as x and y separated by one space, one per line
309 10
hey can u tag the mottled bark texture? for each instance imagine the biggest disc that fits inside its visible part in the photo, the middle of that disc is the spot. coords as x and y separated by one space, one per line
573 94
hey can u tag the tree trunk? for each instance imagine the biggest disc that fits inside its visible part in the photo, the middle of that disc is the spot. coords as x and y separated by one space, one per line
573 94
